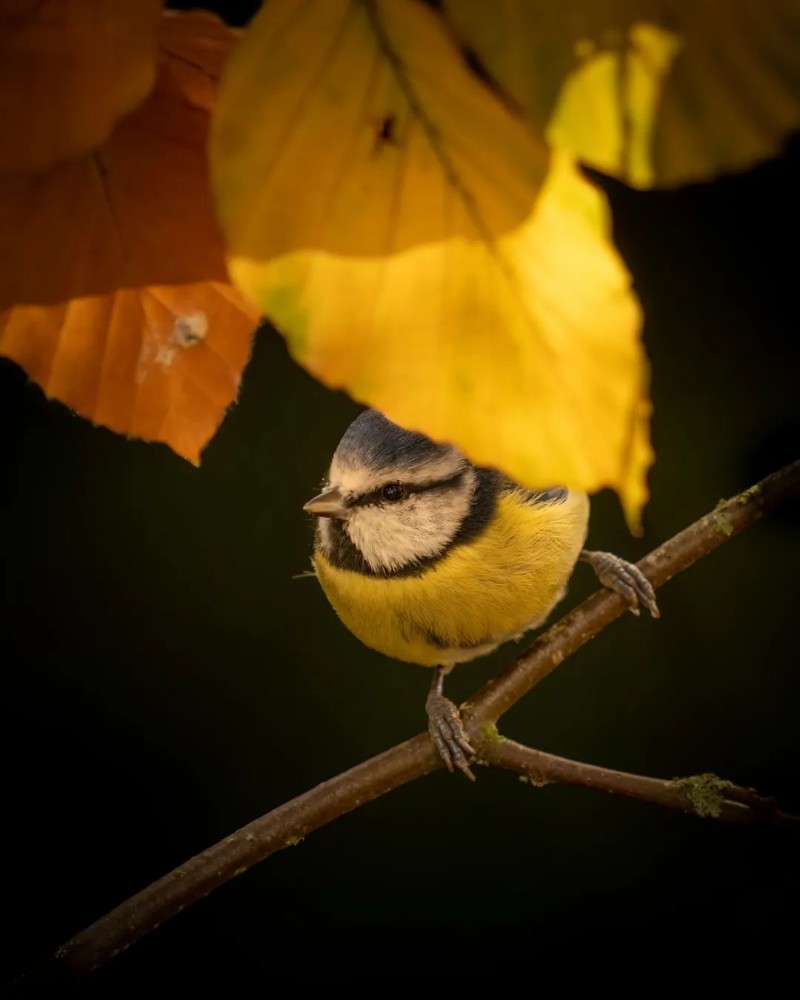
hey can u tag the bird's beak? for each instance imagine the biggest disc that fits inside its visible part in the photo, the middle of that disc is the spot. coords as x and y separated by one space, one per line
328 504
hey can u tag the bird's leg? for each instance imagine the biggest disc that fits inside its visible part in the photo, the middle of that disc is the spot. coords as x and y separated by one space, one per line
446 728
624 579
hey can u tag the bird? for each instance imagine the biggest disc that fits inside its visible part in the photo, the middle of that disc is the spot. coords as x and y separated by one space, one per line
432 560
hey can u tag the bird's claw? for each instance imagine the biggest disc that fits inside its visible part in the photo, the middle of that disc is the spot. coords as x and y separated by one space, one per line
448 734
625 579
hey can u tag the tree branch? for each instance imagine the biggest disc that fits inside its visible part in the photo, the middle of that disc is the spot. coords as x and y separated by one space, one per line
701 794
727 520
289 823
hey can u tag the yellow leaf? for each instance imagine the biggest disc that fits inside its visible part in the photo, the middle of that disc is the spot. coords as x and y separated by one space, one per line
654 92
69 69
114 294
417 245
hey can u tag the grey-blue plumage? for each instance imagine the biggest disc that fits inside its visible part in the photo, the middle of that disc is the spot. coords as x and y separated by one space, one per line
376 443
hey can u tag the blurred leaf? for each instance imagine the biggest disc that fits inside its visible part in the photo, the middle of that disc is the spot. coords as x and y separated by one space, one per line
417 245
114 294
69 69
654 92
198 45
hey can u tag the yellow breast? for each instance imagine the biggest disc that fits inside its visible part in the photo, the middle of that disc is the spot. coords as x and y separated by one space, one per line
480 594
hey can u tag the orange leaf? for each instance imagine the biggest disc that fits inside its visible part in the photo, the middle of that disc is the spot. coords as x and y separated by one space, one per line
114 295
196 57
68 70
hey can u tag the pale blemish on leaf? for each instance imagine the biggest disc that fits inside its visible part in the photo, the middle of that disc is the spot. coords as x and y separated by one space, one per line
188 330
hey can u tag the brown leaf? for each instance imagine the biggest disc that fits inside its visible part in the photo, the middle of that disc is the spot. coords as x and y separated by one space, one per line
69 69
114 295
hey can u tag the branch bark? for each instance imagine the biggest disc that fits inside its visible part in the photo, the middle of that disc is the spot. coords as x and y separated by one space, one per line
289 823
704 795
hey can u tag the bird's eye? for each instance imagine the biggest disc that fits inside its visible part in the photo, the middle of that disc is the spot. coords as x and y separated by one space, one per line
393 492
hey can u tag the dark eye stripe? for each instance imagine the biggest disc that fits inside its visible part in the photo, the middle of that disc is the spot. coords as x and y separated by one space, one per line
345 555
375 497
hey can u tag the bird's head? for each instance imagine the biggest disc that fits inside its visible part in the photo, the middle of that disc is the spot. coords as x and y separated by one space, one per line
393 499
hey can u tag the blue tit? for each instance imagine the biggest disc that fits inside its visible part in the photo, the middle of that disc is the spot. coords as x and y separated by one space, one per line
432 560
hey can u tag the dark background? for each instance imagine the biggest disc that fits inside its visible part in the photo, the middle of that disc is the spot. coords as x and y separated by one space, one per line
166 680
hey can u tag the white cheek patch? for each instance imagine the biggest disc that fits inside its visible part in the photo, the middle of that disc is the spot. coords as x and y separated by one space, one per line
351 482
324 535
392 536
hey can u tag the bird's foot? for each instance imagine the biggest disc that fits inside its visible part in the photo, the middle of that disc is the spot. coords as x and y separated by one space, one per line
624 579
448 733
